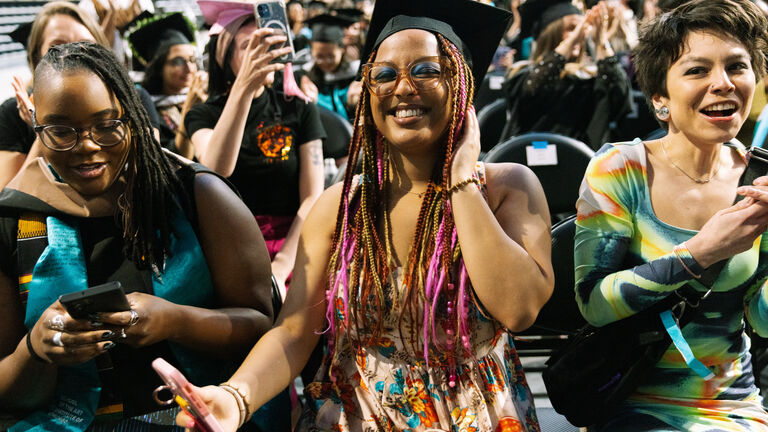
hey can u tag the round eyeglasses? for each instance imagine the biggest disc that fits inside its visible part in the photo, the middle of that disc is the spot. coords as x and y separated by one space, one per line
105 133
423 74
183 61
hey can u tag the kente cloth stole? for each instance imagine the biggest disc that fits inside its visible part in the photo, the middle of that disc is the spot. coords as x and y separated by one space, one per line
60 269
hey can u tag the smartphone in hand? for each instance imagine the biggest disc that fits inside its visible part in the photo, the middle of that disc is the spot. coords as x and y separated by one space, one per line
757 166
271 14
185 396
108 297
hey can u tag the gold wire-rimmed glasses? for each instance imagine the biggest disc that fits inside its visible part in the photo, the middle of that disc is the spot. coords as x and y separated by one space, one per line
423 74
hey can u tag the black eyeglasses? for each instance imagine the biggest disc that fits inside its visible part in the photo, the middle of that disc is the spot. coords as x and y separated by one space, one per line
105 133
181 61
423 74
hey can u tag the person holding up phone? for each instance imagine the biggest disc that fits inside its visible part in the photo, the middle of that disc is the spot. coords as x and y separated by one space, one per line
654 216
418 269
267 144
106 203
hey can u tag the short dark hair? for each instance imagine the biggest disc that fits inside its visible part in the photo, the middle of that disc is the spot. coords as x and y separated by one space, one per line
662 40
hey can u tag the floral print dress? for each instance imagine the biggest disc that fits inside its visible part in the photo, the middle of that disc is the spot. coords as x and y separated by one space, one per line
387 386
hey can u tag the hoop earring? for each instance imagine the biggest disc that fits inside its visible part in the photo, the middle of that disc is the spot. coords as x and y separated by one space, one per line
662 113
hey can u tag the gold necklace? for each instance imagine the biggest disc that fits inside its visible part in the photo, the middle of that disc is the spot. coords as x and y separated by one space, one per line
697 180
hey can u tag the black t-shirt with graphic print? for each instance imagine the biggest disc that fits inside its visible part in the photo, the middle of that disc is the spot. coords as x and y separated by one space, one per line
267 169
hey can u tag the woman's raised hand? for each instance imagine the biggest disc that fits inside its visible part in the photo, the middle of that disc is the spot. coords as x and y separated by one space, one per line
23 102
220 403
733 230
574 38
256 60
63 340
467 150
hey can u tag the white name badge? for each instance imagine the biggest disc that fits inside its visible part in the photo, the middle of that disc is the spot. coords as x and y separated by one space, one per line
541 153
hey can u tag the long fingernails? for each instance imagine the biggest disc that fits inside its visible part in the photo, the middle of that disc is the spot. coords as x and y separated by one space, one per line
107 334
109 346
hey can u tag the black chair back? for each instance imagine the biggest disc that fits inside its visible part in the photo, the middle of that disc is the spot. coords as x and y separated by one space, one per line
492 119
561 181
490 90
637 123
560 316
338 133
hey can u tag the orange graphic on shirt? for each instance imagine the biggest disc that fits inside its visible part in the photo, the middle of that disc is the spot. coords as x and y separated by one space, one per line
275 141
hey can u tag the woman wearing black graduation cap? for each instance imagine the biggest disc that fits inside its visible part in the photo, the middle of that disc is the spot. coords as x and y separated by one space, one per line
330 71
562 90
165 44
418 269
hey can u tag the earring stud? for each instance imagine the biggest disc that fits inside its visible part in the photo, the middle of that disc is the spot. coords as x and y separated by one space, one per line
662 113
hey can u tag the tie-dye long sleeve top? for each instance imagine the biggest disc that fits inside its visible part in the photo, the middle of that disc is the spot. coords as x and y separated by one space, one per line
624 263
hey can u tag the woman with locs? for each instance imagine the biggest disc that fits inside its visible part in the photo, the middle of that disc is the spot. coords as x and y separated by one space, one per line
400 265
655 216
105 203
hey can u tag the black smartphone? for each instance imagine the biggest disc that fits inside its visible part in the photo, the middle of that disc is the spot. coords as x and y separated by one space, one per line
271 14
108 297
757 166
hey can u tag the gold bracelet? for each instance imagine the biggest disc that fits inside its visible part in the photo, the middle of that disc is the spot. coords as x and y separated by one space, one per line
242 401
682 247
463 183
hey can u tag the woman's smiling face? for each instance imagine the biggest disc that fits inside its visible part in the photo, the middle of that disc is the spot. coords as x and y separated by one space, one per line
80 99
410 118
710 88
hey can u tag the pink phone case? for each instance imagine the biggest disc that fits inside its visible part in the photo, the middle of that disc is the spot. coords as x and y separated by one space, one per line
179 385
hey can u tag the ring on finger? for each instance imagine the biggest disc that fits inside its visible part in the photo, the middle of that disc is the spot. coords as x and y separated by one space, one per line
134 318
56 339
57 323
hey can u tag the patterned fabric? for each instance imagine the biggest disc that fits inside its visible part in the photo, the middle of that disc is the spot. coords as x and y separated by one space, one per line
624 263
388 387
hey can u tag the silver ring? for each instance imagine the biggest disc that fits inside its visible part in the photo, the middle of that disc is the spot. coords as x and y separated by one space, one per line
134 318
56 339
56 323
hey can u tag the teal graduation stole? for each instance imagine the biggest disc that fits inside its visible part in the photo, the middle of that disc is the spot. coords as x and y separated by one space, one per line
61 269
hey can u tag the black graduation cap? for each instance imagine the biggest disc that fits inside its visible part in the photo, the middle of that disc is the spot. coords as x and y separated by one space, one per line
536 15
474 28
328 28
21 33
317 4
350 13
149 36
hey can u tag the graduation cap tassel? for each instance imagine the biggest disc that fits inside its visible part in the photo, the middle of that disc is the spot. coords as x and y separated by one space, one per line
290 88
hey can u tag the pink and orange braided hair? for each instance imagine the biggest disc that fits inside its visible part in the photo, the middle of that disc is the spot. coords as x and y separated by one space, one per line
359 292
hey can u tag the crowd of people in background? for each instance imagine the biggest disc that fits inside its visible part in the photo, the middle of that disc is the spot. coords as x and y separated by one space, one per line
183 156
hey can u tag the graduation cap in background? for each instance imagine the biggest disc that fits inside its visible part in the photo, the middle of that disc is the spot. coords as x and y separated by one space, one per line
351 13
317 4
536 15
474 28
328 28
148 36
21 33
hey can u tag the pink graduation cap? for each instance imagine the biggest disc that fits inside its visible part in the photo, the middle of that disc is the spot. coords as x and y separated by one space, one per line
219 13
